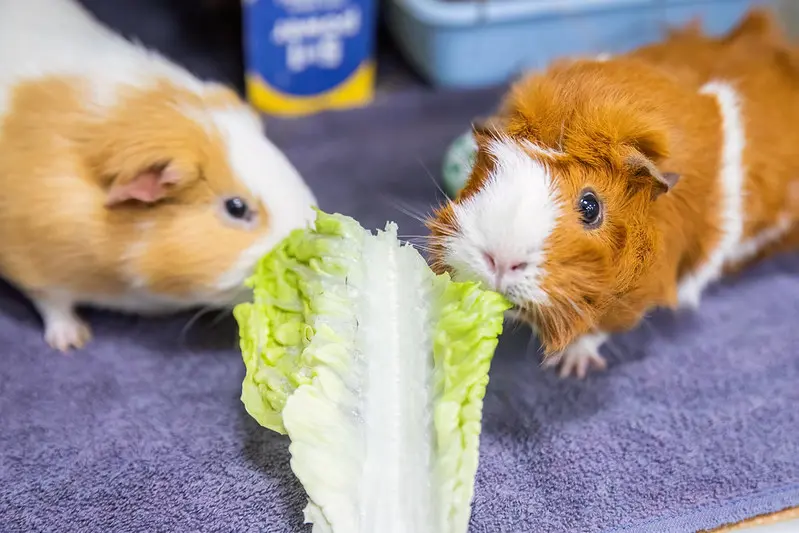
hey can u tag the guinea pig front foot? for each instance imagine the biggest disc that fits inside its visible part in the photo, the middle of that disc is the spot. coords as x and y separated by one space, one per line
65 335
63 328
579 357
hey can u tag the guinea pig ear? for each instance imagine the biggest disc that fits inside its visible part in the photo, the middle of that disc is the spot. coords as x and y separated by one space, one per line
760 24
147 186
644 170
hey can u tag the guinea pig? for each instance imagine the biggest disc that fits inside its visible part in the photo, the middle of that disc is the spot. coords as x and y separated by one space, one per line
604 189
127 183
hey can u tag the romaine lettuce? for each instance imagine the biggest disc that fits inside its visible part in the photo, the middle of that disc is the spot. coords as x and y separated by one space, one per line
376 368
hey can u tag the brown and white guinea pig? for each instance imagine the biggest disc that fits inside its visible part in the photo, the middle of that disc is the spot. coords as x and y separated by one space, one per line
126 182
605 188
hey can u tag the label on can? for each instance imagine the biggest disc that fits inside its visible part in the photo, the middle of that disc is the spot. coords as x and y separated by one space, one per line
304 56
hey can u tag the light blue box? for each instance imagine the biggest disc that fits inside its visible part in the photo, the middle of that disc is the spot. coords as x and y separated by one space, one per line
487 42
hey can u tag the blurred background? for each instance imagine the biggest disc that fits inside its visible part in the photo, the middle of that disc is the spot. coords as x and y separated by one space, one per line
453 43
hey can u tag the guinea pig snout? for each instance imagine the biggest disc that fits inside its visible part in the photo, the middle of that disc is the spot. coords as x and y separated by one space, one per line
501 267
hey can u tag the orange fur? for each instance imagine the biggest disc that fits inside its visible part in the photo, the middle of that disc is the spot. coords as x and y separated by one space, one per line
646 104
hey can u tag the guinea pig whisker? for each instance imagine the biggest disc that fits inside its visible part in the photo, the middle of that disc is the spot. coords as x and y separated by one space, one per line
418 242
426 219
437 226
429 244
415 242
410 211
432 178
647 325
222 314
416 239
612 348
561 294
192 321
517 325
423 237
421 248
530 343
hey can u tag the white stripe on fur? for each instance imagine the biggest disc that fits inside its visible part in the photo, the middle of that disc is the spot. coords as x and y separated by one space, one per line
731 182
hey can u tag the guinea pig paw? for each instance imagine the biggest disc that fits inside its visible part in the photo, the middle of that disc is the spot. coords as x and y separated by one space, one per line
578 360
67 333
553 360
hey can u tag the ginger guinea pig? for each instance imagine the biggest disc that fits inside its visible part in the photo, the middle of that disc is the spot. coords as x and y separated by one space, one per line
604 189
127 183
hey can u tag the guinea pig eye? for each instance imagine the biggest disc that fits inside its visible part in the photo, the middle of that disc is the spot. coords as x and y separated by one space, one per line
590 209
237 208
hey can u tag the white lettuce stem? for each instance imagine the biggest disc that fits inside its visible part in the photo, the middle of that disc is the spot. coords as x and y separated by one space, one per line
394 346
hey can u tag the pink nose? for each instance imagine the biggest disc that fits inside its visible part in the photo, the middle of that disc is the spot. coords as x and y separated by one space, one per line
501 266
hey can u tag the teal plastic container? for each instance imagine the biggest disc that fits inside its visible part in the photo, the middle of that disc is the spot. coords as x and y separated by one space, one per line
487 42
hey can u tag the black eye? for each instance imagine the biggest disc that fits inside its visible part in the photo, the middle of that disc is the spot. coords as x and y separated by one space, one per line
237 208
590 209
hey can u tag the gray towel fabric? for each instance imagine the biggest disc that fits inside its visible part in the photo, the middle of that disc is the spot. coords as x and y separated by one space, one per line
694 424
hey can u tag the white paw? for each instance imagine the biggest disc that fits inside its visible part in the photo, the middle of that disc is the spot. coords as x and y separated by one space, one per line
579 357
66 333
63 329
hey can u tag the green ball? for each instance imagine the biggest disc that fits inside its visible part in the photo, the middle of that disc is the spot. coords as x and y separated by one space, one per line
458 162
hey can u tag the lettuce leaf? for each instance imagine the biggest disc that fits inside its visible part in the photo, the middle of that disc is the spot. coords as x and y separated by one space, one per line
376 368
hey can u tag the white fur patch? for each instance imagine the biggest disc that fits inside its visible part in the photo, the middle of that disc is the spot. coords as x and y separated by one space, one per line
544 151
731 182
750 247
132 253
40 38
511 219
269 176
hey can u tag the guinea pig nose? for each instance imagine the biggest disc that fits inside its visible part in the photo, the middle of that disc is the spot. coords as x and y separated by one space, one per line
501 266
